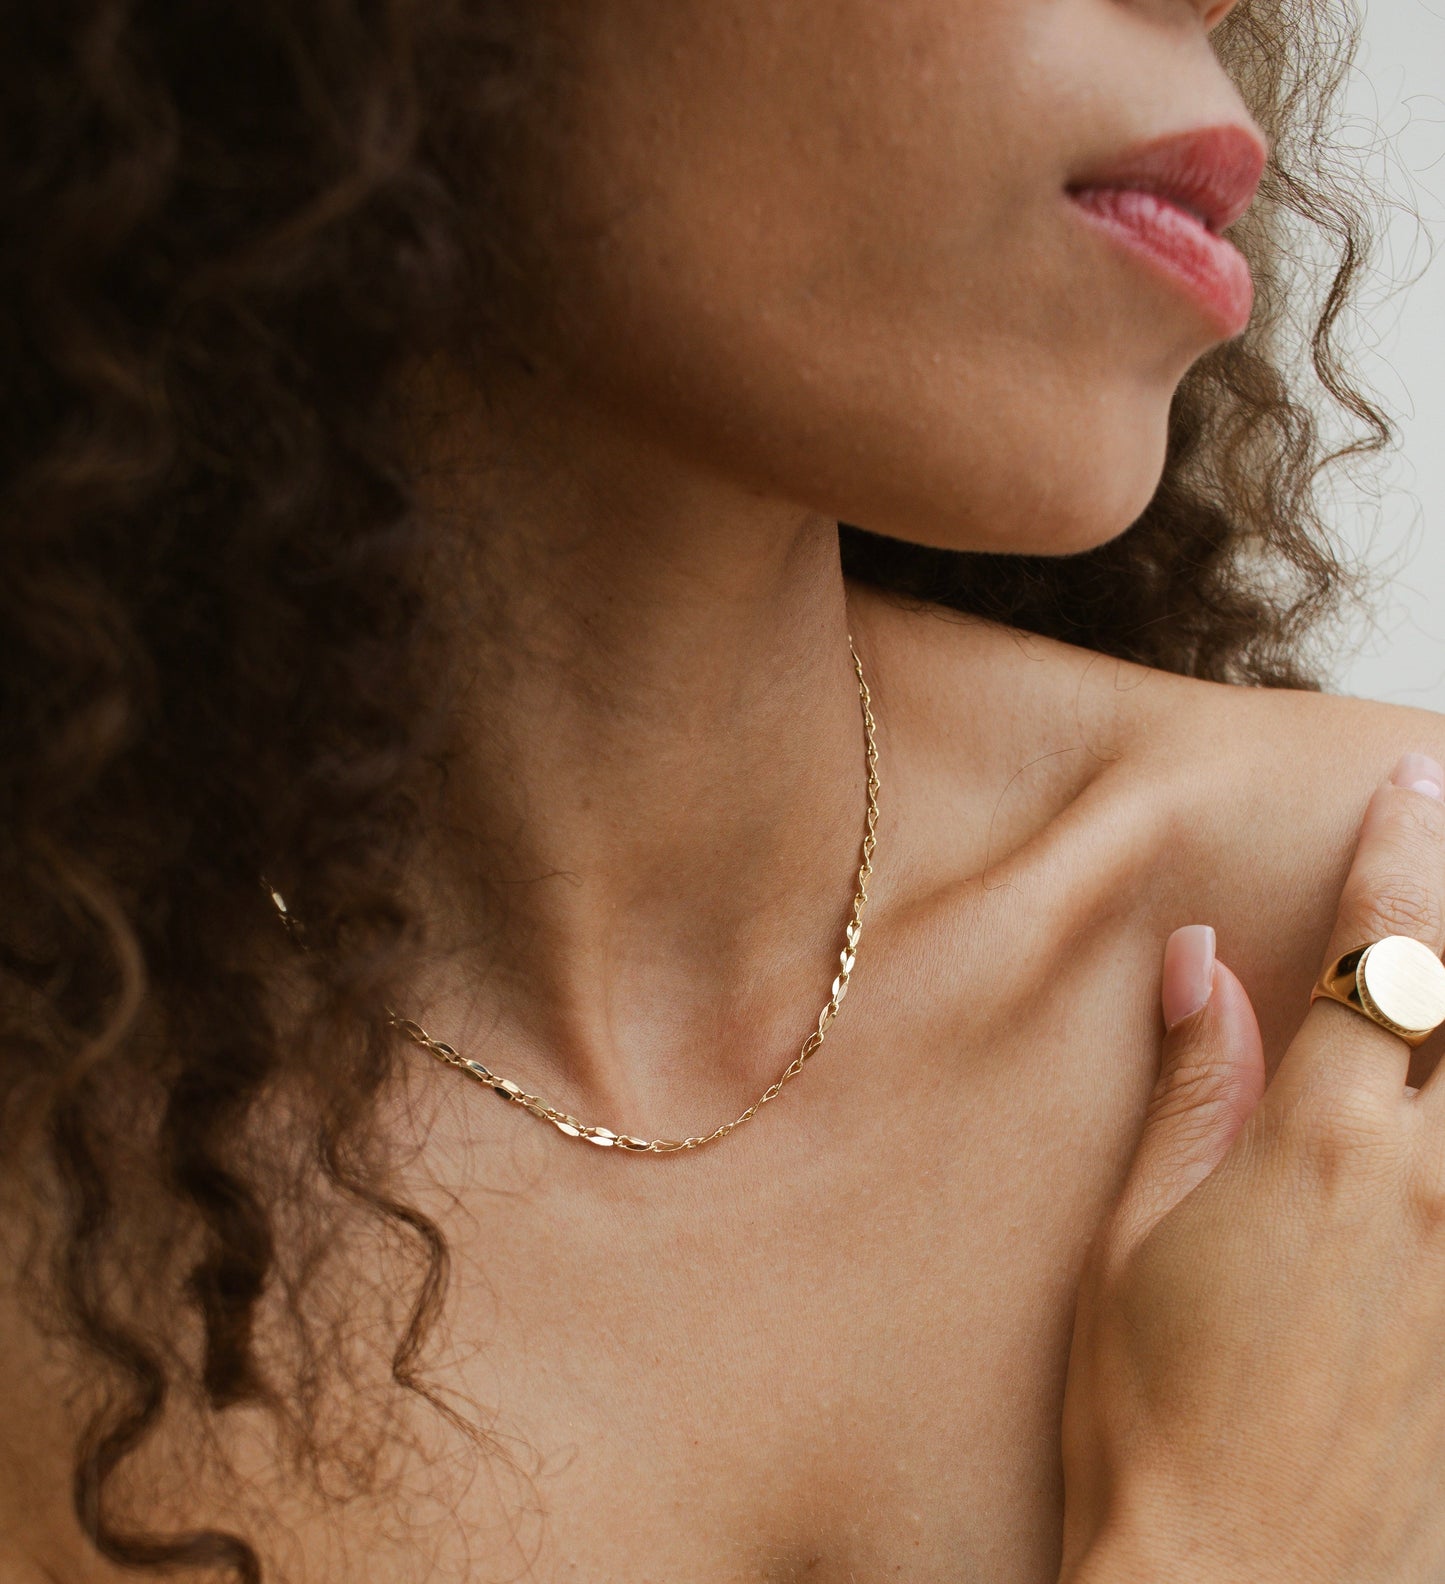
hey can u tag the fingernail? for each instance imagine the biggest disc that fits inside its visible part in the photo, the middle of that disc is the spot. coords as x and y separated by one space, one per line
1188 972
1420 773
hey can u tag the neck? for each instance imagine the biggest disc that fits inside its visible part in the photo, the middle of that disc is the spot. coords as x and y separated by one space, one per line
648 841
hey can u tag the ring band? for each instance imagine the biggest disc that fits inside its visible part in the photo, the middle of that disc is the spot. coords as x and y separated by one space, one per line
1397 982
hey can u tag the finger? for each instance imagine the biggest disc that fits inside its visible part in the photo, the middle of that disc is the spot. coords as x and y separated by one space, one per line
1211 1076
1396 886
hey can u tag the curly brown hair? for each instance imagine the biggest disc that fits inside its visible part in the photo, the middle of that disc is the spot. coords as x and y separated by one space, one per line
230 227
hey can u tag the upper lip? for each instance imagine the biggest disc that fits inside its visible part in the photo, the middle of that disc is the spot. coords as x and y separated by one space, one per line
1213 172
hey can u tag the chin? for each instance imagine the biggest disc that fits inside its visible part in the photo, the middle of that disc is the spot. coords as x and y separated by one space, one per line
1101 505
1051 479
1062 507
1088 531
1055 539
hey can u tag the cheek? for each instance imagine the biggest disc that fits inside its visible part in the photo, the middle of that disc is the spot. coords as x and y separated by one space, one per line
845 273
957 436
996 456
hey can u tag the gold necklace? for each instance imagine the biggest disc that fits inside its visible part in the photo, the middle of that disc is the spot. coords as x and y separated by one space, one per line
570 1125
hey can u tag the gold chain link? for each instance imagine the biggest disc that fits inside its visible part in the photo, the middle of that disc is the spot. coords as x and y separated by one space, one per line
570 1125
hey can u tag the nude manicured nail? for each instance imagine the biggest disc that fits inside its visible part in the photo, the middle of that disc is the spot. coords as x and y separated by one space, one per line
1420 773
1188 972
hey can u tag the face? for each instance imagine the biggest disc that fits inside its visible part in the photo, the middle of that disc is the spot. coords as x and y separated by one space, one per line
826 248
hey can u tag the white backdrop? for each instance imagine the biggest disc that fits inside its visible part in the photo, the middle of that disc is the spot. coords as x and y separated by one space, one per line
1397 111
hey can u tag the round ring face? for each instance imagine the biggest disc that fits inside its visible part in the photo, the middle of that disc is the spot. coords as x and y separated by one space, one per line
1405 982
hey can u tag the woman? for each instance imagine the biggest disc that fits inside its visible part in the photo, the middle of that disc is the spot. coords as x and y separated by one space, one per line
429 425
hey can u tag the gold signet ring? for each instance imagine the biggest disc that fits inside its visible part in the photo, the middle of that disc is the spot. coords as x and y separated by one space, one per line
1397 982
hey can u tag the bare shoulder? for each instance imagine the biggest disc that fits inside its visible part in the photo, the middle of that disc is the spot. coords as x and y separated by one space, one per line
1286 772
1206 803
1266 789
1283 759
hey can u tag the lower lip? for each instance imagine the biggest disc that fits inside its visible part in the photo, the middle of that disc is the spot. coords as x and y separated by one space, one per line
1211 270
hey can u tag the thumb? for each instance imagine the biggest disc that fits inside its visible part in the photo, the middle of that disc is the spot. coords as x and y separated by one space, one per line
1211 1077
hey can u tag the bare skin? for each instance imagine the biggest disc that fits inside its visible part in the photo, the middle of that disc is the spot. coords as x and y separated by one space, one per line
833 1346
853 1317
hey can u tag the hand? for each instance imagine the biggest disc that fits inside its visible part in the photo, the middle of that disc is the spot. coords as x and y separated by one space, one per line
1256 1388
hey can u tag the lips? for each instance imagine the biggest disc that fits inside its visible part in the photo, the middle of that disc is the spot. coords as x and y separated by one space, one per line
1212 174
1168 200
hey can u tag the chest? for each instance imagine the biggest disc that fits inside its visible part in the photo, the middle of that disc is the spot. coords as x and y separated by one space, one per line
834 1352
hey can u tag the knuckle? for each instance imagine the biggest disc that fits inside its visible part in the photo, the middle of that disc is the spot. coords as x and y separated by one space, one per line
1190 1086
1417 821
1194 1098
1342 1138
1398 901
1427 1199
1427 1182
